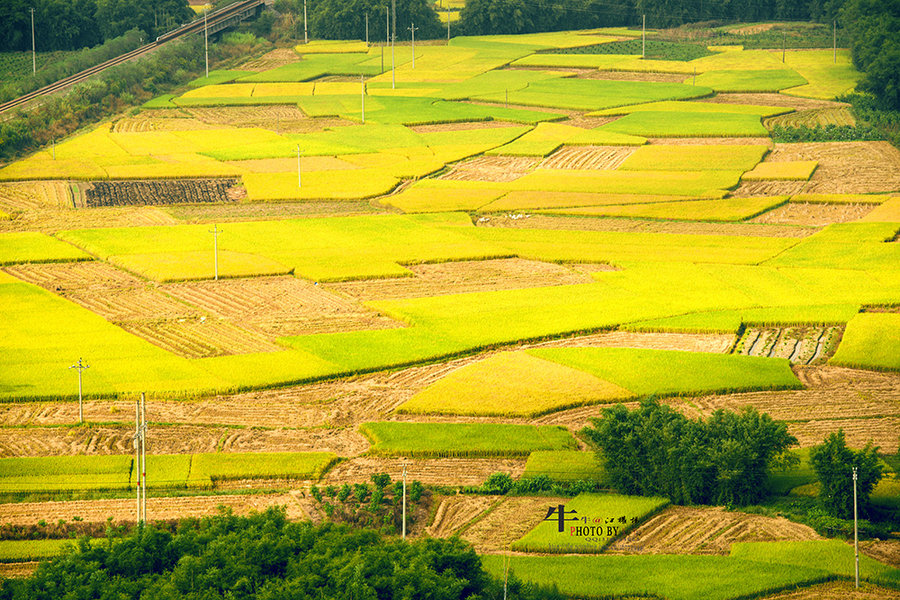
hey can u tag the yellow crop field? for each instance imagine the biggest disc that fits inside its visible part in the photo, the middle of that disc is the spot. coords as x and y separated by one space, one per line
787 171
222 90
701 107
283 89
512 384
336 88
676 183
184 266
841 198
694 158
547 137
728 209
418 199
315 185
889 212
528 200
826 78
331 47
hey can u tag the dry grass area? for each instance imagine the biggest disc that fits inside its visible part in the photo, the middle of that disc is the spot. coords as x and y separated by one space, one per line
845 167
278 118
491 168
712 141
47 220
750 189
200 337
223 213
98 511
886 551
442 471
813 117
881 431
31 195
509 520
270 60
648 226
684 342
461 126
14 570
814 214
279 306
151 121
706 530
838 590
460 277
631 76
780 100
456 511
601 158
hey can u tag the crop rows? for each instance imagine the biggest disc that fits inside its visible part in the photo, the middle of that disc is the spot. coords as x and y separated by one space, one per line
799 345
33 195
171 191
816 117
587 157
200 338
491 168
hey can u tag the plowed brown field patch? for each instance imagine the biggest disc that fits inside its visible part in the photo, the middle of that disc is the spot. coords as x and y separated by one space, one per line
783 100
880 431
603 158
271 60
707 530
151 121
15 570
175 439
445 471
30 195
800 345
749 189
631 76
459 277
279 118
813 117
491 168
462 126
219 213
886 551
639 226
838 590
455 511
53 220
280 306
705 141
75 277
512 518
200 338
814 214
846 167
98 511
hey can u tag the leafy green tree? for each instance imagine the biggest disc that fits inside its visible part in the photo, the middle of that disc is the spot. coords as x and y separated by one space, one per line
833 462
346 20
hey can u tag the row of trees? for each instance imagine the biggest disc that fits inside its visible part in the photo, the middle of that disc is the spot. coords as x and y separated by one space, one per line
265 557
76 24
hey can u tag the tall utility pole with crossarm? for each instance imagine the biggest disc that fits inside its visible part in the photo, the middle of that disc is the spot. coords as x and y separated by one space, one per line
81 367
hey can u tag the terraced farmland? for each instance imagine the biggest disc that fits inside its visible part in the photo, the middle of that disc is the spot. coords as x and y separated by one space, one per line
455 288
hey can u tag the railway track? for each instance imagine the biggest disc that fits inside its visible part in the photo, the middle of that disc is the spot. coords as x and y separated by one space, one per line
215 22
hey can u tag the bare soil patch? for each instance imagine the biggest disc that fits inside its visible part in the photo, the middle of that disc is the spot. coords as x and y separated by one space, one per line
603 158
174 439
814 214
632 76
491 168
75 277
886 551
200 337
781 100
716 141
270 60
509 520
647 226
684 342
706 530
98 511
455 511
279 306
749 189
838 590
460 277
154 121
438 471
881 431
156 192
846 167
800 345
462 126
279 118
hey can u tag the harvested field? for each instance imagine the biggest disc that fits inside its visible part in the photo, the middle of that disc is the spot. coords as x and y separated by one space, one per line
490 168
31 195
780 100
813 117
750 189
630 76
153 121
461 126
219 213
602 158
271 60
639 226
14 570
53 220
845 167
279 306
712 141
174 439
98 511
455 511
685 342
443 471
886 551
132 304
278 118
800 345
586 122
814 214
706 530
512 518
460 277
881 431
61 278
838 590
200 337
156 192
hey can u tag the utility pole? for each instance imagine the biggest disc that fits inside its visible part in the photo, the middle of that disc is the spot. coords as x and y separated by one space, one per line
81 367
216 231
643 36
362 85
855 529
137 456
305 29
299 181
834 38
206 40
783 45
412 29
367 30
505 574
448 22
143 457
404 498
393 40
33 54
387 33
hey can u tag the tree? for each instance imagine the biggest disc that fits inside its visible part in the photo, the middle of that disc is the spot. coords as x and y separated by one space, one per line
833 462
346 19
